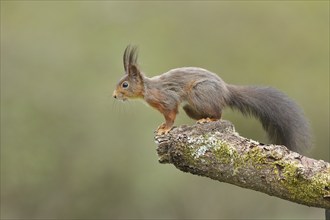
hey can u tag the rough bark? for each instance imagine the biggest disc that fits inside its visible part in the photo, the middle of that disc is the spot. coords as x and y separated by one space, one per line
216 151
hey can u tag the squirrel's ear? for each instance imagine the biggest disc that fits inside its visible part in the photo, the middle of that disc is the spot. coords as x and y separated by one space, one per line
130 59
133 71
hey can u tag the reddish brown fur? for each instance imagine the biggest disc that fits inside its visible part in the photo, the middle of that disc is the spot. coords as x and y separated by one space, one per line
156 101
190 86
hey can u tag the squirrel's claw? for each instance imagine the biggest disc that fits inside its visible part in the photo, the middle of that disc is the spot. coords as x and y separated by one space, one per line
162 129
206 120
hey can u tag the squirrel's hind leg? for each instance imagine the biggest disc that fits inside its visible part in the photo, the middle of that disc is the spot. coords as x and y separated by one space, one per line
200 117
192 113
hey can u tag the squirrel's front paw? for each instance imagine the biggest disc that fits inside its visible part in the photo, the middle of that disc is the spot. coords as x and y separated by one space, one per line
162 129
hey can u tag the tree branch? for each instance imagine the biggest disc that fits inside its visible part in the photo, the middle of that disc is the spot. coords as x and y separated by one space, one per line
216 151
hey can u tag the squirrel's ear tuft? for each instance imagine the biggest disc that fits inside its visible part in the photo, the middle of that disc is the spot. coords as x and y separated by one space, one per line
130 59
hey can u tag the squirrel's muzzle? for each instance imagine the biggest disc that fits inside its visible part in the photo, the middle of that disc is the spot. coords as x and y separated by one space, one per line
114 94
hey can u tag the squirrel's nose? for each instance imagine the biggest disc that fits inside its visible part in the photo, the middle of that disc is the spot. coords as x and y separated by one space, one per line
114 94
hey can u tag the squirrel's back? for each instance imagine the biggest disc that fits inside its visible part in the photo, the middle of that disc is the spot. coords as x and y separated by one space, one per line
201 89
184 74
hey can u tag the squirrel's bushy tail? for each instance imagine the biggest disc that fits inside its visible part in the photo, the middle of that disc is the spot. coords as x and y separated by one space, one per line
280 116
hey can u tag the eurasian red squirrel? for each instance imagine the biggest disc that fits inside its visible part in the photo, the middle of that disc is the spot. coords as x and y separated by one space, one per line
203 95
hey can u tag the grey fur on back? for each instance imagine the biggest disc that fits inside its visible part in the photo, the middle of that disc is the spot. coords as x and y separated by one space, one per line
200 88
280 116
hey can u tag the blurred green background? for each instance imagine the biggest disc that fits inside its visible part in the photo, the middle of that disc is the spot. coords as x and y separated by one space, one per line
68 150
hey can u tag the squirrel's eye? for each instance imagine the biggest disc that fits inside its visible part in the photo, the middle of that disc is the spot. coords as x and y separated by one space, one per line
124 85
